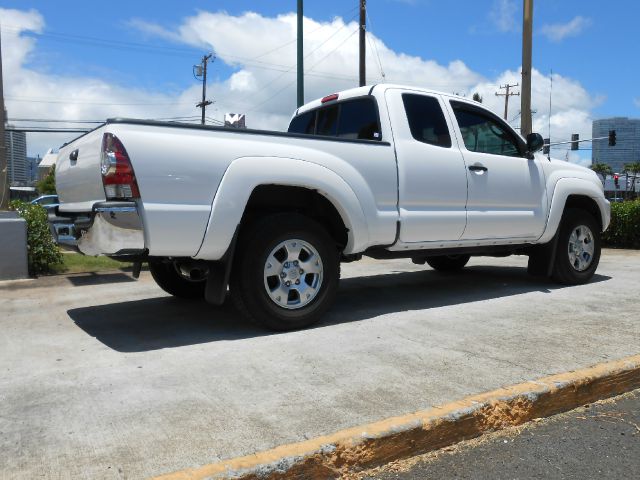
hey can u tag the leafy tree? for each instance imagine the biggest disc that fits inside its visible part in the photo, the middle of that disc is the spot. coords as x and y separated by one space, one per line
632 170
47 186
477 97
603 170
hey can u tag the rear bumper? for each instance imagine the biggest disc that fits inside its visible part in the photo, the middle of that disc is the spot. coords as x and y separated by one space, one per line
113 228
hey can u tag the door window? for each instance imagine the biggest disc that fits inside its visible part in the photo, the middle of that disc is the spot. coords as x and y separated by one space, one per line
426 120
484 134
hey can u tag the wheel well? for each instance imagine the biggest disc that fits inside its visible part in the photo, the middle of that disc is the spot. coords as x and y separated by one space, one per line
266 199
585 203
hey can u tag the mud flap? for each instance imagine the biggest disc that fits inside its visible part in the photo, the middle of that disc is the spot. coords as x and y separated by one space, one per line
542 258
215 291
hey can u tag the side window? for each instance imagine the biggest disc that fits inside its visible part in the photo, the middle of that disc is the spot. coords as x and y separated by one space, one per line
426 120
327 121
482 133
304 123
359 120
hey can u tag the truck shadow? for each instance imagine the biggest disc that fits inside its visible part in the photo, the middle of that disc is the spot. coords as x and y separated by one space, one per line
167 322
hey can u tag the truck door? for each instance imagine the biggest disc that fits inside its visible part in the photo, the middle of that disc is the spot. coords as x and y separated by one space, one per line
507 194
432 175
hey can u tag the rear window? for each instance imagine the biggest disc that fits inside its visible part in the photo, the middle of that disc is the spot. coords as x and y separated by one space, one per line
359 120
426 120
327 121
304 123
352 119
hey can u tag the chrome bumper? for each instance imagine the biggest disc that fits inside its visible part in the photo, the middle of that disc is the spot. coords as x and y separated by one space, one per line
115 228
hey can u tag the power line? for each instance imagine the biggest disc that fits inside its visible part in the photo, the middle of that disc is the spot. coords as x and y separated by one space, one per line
77 102
374 47
290 69
50 120
312 67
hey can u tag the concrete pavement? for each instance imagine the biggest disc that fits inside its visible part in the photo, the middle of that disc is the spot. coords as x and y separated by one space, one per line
104 377
599 441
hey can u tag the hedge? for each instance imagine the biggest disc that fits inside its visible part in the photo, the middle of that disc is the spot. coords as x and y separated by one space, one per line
624 230
42 250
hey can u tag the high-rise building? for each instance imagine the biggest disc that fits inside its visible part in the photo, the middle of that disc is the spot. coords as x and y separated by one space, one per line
627 148
16 149
32 163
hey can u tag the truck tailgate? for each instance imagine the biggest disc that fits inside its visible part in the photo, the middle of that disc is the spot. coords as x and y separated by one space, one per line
78 177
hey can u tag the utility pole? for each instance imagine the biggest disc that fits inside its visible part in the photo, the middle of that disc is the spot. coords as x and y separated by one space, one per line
300 55
506 95
201 70
4 183
363 39
527 40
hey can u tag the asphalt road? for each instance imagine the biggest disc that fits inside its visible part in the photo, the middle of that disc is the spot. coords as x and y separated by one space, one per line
105 377
601 441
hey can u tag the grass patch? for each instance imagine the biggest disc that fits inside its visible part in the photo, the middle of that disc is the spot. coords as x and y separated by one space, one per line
77 263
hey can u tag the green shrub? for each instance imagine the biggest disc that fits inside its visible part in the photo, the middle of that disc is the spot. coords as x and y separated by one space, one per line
624 230
43 252
47 186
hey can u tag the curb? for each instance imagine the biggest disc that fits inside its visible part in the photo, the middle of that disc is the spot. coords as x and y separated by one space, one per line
378 443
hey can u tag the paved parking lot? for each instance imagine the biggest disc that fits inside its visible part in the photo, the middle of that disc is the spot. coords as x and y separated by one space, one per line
105 377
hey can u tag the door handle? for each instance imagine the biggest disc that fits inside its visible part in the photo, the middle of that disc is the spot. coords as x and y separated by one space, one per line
478 168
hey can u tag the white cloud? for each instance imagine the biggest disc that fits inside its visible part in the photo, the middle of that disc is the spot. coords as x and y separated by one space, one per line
637 101
263 85
557 32
503 15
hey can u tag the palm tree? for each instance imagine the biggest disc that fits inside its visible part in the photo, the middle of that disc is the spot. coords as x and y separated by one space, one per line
632 170
603 170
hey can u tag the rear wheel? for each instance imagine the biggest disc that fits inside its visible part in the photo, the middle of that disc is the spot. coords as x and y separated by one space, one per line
578 251
285 275
448 263
184 279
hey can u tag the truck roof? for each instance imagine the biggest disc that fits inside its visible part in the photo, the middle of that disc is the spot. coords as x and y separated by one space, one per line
368 90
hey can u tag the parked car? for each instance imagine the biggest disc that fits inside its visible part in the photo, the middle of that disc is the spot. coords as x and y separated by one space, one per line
384 171
50 202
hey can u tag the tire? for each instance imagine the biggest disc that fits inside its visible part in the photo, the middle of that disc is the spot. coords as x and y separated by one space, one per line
168 278
277 250
448 263
578 250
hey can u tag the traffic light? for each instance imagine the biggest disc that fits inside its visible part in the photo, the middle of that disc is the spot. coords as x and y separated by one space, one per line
616 180
612 138
574 141
546 148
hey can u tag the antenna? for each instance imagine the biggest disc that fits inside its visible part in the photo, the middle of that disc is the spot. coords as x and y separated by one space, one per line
550 91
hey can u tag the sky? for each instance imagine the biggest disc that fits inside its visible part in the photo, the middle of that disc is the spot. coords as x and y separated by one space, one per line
81 60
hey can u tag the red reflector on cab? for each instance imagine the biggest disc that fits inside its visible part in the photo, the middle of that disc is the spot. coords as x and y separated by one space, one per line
328 98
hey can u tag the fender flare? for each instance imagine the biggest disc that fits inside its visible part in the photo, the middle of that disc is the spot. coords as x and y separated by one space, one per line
246 173
565 187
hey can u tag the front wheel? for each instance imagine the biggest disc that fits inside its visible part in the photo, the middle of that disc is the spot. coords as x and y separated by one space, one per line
578 251
286 272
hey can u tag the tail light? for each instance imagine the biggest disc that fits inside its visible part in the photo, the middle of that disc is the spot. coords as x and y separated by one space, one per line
118 177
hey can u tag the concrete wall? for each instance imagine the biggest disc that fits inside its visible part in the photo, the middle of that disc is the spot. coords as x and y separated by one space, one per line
13 246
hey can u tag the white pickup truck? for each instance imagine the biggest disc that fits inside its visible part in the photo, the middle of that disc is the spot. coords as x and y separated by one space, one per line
384 171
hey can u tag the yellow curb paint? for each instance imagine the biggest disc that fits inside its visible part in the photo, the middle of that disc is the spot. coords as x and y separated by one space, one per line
394 438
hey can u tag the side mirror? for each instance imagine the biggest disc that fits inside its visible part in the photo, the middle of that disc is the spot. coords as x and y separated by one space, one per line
534 142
